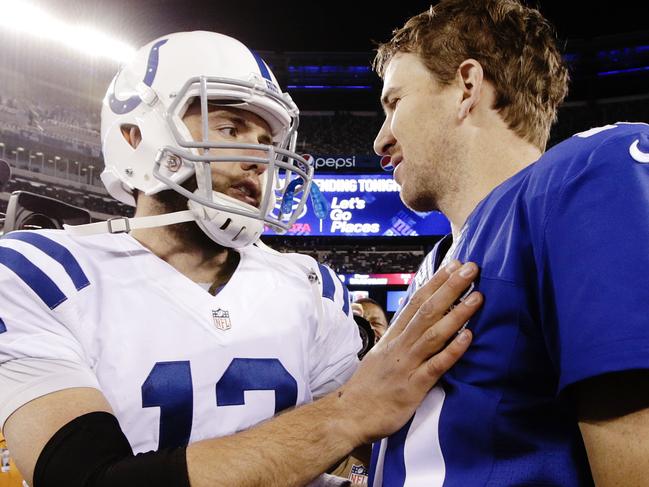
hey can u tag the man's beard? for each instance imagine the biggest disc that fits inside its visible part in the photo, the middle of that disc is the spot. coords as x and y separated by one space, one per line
437 185
189 233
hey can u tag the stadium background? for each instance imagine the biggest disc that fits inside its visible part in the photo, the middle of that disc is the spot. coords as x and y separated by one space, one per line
50 95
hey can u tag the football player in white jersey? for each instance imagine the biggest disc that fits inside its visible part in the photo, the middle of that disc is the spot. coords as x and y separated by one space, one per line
144 351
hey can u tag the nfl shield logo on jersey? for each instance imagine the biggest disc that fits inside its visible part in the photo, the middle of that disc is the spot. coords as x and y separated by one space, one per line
358 474
221 319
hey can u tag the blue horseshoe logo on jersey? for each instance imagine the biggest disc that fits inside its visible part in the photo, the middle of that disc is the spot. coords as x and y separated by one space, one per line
121 107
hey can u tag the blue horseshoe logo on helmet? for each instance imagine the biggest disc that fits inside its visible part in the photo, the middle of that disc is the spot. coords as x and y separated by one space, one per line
121 107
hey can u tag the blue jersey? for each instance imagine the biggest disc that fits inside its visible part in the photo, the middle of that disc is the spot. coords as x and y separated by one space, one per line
563 252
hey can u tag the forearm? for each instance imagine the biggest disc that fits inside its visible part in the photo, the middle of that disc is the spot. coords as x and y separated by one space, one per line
289 450
617 454
613 412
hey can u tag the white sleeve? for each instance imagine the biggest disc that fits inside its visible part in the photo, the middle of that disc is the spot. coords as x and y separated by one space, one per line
326 480
334 355
38 352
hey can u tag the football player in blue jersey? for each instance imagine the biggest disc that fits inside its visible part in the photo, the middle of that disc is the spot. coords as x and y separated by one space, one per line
145 351
553 390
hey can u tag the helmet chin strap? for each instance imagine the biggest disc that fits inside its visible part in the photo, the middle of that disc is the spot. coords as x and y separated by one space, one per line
123 224
225 228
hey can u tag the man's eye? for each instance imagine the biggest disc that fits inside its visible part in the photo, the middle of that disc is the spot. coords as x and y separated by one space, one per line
391 104
228 131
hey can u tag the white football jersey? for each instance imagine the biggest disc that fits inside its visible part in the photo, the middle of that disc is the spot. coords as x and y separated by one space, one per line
176 364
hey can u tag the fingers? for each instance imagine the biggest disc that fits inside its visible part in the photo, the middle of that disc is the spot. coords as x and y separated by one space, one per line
435 337
436 306
430 371
451 290
418 298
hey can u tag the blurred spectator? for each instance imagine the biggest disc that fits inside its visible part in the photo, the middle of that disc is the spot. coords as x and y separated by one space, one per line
373 312
355 466
339 133
356 258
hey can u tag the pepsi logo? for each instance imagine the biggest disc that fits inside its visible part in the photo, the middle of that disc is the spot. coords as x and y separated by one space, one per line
386 164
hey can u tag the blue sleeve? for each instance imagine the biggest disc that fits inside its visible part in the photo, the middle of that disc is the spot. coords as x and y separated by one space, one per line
330 283
595 270
334 352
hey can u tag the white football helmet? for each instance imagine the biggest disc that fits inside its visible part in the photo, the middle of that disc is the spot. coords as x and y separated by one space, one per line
153 92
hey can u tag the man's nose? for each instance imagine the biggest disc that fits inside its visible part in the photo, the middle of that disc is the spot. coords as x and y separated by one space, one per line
258 167
384 140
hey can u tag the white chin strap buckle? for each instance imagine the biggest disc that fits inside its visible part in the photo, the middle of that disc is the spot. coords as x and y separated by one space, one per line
112 224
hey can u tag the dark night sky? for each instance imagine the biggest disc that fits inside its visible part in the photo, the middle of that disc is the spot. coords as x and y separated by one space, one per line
314 25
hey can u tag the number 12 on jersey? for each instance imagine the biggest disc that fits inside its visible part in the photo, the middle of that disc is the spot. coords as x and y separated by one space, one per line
169 387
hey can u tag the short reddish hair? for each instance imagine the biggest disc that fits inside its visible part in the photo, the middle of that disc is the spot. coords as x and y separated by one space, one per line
515 45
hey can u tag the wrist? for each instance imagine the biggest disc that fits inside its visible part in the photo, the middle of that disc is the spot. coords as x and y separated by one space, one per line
346 417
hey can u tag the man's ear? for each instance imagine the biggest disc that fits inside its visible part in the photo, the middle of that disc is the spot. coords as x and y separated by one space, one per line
470 76
132 134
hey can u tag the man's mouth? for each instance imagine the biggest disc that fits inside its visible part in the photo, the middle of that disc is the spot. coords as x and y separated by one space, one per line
246 191
396 174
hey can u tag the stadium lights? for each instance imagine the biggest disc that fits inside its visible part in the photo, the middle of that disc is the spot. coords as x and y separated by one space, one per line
21 16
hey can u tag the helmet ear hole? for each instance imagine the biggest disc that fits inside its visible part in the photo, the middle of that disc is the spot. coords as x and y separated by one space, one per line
226 224
131 134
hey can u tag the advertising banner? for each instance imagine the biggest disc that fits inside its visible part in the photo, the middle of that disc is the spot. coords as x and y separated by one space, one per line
366 205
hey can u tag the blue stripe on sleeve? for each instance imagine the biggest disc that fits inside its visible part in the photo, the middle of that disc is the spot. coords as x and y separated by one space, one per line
35 278
3 328
328 287
345 299
57 252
